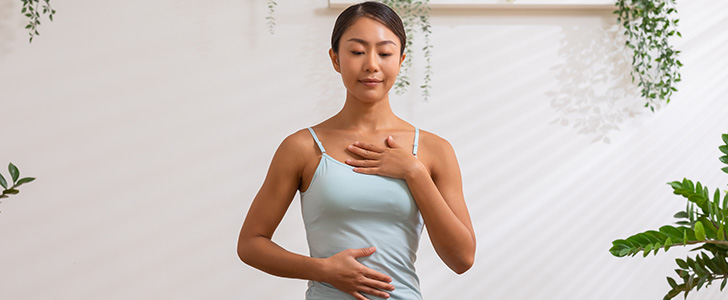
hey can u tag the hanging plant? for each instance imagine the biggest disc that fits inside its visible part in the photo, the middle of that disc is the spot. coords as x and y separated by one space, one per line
415 15
30 9
704 222
271 20
649 24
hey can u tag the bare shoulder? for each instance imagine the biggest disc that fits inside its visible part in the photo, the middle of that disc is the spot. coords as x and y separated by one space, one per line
438 156
296 148
435 144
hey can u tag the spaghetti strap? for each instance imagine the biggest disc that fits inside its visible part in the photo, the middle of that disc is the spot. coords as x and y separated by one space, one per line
315 138
417 137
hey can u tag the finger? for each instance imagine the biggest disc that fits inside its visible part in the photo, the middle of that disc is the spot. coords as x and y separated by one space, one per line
378 284
358 296
368 146
371 274
362 162
374 292
367 170
392 143
362 152
363 252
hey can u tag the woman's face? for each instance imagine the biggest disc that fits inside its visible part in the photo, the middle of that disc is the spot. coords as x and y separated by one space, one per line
368 59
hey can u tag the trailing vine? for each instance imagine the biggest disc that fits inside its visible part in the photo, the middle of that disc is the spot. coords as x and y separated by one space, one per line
271 20
704 222
30 9
649 24
415 15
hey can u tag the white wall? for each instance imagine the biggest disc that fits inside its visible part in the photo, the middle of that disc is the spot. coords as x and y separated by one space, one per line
150 126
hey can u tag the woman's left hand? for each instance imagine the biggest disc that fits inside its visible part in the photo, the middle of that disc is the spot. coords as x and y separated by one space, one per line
393 161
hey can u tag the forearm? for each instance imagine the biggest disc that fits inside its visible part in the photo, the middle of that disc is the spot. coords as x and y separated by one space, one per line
451 238
267 256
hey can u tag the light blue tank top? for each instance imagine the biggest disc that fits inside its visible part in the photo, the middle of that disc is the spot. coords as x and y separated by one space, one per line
343 209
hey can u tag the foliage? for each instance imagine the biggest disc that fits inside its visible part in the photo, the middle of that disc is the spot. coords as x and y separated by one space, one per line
649 24
271 18
414 14
704 222
30 9
16 181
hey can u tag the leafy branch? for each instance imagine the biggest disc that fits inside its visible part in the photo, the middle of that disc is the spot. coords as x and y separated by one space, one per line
649 24
30 9
703 222
15 183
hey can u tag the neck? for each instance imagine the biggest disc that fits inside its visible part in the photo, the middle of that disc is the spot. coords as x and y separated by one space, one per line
368 116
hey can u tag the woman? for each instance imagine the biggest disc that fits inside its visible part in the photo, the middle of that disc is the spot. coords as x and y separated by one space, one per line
368 181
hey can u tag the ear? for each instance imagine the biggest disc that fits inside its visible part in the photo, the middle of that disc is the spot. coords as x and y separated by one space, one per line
335 60
401 60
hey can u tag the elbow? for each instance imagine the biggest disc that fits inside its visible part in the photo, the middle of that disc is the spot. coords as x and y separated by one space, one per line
242 253
462 262
463 265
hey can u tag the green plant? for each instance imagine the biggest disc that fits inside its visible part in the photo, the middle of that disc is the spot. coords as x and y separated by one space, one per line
271 18
704 222
649 24
16 181
30 9
415 14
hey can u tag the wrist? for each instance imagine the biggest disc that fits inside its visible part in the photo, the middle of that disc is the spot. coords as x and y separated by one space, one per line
319 270
417 172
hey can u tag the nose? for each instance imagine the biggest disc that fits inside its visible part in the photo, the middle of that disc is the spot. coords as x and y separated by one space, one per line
372 62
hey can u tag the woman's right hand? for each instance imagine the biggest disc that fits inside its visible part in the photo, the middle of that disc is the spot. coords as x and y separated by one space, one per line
345 273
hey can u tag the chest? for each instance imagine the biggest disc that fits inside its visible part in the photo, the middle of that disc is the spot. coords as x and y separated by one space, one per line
339 192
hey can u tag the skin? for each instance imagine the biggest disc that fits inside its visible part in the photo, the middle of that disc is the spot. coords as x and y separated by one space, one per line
369 136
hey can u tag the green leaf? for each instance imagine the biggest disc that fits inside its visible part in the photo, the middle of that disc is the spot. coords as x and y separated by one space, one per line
725 169
3 183
11 191
681 263
699 231
24 180
672 282
701 281
722 284
671 232
620 248
725 138
724 159
14 172
723 149
647 250
681 215
668 244
675 185
721 232
708 227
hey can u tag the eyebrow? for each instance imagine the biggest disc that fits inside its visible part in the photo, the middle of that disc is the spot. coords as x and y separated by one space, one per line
367 43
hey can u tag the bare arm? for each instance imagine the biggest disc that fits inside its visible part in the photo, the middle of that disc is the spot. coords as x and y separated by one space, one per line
256 248
442 205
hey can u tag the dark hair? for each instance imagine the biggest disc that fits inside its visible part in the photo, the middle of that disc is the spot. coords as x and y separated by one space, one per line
374 10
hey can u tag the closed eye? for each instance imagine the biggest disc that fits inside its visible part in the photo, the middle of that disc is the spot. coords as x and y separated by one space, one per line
360 53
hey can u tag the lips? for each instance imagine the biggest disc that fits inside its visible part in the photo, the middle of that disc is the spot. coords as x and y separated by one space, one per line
370 82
